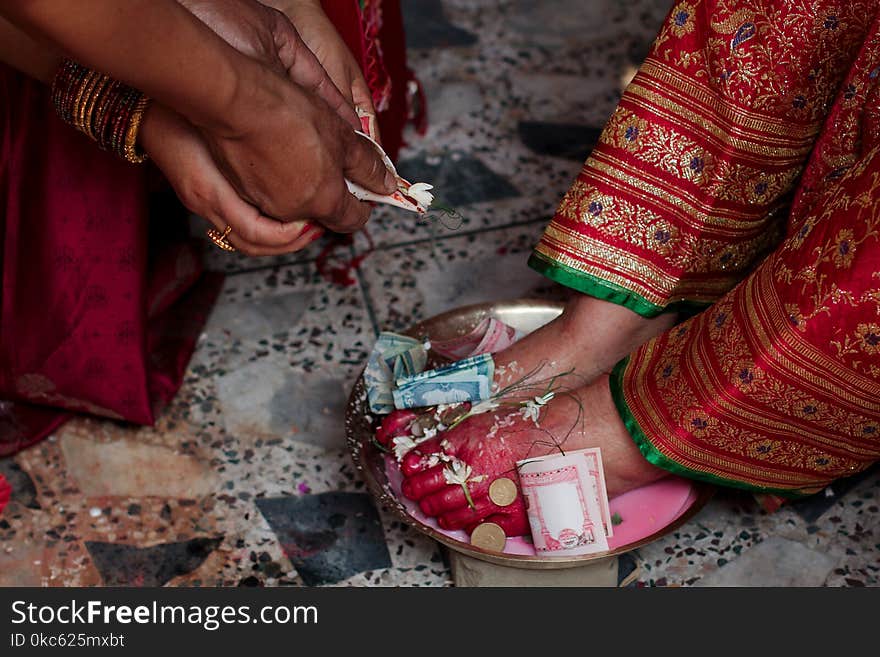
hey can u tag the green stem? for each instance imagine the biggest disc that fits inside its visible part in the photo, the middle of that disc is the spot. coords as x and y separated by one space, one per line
467 495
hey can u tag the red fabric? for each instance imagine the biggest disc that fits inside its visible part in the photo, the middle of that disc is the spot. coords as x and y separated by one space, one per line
376 37
776 387
91 319
88 320
5 493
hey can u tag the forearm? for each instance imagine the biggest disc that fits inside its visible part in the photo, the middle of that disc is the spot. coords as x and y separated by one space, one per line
284 5
25 54
156 46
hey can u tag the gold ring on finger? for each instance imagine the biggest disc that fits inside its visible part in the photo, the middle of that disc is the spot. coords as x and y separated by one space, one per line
220 238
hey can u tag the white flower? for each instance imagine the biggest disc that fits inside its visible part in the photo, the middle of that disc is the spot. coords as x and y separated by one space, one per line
486 406
531 408
420 194
403 445
436 458
457 473
531 411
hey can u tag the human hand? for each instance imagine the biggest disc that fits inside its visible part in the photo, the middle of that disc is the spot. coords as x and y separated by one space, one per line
323 39
291 158
267 35
181 154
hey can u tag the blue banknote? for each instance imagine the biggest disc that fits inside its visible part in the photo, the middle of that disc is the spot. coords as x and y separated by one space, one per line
482 365
393 357
465 380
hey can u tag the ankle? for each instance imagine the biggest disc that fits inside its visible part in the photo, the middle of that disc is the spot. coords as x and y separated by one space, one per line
606 332
626 468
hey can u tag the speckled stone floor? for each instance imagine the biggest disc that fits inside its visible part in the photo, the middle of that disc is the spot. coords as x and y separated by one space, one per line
245 480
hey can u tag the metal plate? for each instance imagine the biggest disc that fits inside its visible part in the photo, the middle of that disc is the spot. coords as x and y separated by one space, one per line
526 315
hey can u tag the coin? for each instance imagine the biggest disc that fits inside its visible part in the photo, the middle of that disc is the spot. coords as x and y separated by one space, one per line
502 492
488 536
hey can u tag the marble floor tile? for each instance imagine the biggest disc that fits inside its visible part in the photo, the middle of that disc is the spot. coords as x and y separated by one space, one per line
328 537
427 26
572 141
460 179
127 565
125 466
24 492
410 283
774 562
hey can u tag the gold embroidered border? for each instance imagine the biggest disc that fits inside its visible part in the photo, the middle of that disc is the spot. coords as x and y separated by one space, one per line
632 272
699 251
771 421
713 390
748 119
679 201
765 127
801 359
673 153
721 136
643 408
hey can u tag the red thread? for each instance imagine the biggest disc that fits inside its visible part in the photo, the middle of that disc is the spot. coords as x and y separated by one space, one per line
342 274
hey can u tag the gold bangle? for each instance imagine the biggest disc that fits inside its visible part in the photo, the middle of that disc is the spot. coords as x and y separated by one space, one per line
107 101
131 135
89 113
77 104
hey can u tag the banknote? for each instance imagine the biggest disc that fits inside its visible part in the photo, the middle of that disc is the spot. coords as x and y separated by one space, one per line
489 337
465 380
393 357
564 517
499 336
596 472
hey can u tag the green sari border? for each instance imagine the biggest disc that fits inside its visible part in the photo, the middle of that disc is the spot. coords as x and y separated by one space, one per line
593 286
607 291
655 457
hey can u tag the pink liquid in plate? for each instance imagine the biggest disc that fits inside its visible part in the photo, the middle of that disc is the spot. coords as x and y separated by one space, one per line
643 511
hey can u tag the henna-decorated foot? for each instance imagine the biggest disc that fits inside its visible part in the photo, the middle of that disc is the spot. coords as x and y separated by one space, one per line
589 338
449 471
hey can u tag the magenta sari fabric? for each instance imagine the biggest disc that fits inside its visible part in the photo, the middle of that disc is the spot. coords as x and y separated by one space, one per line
95 268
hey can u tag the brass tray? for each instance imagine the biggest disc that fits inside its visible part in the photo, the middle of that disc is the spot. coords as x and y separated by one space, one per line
526 315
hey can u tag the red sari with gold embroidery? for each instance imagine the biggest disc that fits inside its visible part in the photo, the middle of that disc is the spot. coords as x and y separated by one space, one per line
740 177
102 296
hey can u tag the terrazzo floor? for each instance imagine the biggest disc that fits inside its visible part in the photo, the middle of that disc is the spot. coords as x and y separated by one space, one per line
246 481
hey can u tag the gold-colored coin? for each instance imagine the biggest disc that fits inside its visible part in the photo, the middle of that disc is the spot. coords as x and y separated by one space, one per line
489 536
502 492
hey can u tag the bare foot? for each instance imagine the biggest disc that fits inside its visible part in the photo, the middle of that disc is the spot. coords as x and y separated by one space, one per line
588 339
490 445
